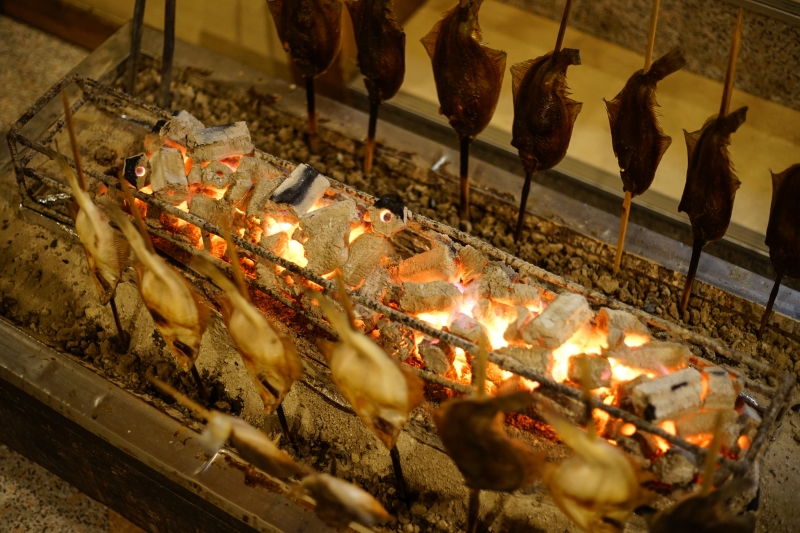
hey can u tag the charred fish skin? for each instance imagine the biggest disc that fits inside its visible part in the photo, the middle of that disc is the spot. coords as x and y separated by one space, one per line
637 137
310 30
544 115
468 74
783 229
381 44
711 184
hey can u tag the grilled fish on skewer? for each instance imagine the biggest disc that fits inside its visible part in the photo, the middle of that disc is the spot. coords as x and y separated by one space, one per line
636 135
339 502
178 314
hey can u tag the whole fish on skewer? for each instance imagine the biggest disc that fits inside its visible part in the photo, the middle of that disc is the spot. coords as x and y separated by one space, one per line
468 77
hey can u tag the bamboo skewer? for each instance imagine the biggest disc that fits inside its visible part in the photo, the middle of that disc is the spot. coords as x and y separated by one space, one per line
369 152
122 336
626 203
526 188
168 54
727 93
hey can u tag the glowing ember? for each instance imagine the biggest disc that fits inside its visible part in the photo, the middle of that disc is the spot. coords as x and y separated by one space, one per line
627 430
354 234
141 171
743 441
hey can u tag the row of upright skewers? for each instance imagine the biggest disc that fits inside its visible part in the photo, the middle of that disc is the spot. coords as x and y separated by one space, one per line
469 75
598 488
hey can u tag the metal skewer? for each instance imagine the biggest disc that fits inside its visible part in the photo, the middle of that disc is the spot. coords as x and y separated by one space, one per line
136 43
168 54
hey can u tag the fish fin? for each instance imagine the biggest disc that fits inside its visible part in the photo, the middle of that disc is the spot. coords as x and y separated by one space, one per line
430 40
573 108
691 140
203 314
777 181
498 61
518 72
667 64
613 107
123 249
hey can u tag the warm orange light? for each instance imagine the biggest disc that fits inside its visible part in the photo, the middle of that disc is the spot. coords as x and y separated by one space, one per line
436 319
744 442
462 367
627 429
669 427
355 233
634 340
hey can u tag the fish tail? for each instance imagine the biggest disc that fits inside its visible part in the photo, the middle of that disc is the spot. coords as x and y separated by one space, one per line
665 65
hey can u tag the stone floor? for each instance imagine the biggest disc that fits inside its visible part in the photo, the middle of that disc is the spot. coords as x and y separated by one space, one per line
32 500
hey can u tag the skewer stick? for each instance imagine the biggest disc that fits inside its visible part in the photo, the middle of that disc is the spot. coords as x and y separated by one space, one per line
122 336
563 28
370 146
136 43
73 139
697 249
312 113
463 212
284 425
479 364
137 215
651 41
180 398
236 266
526 189
399 477
730 75
168 54
473 509
344 300
711 458
623 230
770 303
201 388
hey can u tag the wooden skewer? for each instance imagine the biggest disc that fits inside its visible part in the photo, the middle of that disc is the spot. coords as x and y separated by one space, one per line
727 93
563 28
180 398
711 458
136 43
370 146
311 106
168 54
463 211
770 303
479 364
233 254
626 203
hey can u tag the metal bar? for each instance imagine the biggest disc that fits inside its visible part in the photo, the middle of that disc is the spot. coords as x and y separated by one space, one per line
136 44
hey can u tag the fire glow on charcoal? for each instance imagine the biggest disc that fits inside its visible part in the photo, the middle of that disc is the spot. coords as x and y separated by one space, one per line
214 173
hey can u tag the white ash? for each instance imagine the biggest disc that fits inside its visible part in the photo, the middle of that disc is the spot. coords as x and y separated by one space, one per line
219 142
655 356
721 388
513 332
168 177
538 359
431 297
703 423
668 396
519 294
179 126
435 358
472 263
259 198
493 281
195 175
212 210
366 252
560 320
468 328
302 189
437 264
615 325
327 232
376 284
675 468
258 168
217 175
386 222
240 185
276 243
595 370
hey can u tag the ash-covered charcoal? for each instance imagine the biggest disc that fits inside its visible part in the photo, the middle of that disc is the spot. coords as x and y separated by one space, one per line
366 252
599 370
216 174
327 235
258 168
396 339
388 216
438 358
179 127
538 359
675 467
136 170
304 187
519 294
168 177
260 197
656 356
376 284
276 243
749 421
431 297
668 396
560 320
513 332
437 264
195 175
468 328
219 142
699 426
471 263
212 210
493 282
616 325
721 390
240 185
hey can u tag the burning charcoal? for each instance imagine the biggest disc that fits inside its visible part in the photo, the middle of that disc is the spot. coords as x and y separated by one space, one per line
431 297
599 374
513 333
493 281
258 168
668 396
436 359
468 328
366 252
168 177
338 503
179 126
519 294
275 243
438 263
616 325
195 175
658 357
396 339
302 189
214 211
749 420
136 170
538 359
240 185
375 284
219 142
388 216
217 175
328 234
472 262
675 468
698 427
560 320
260 197
719 392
